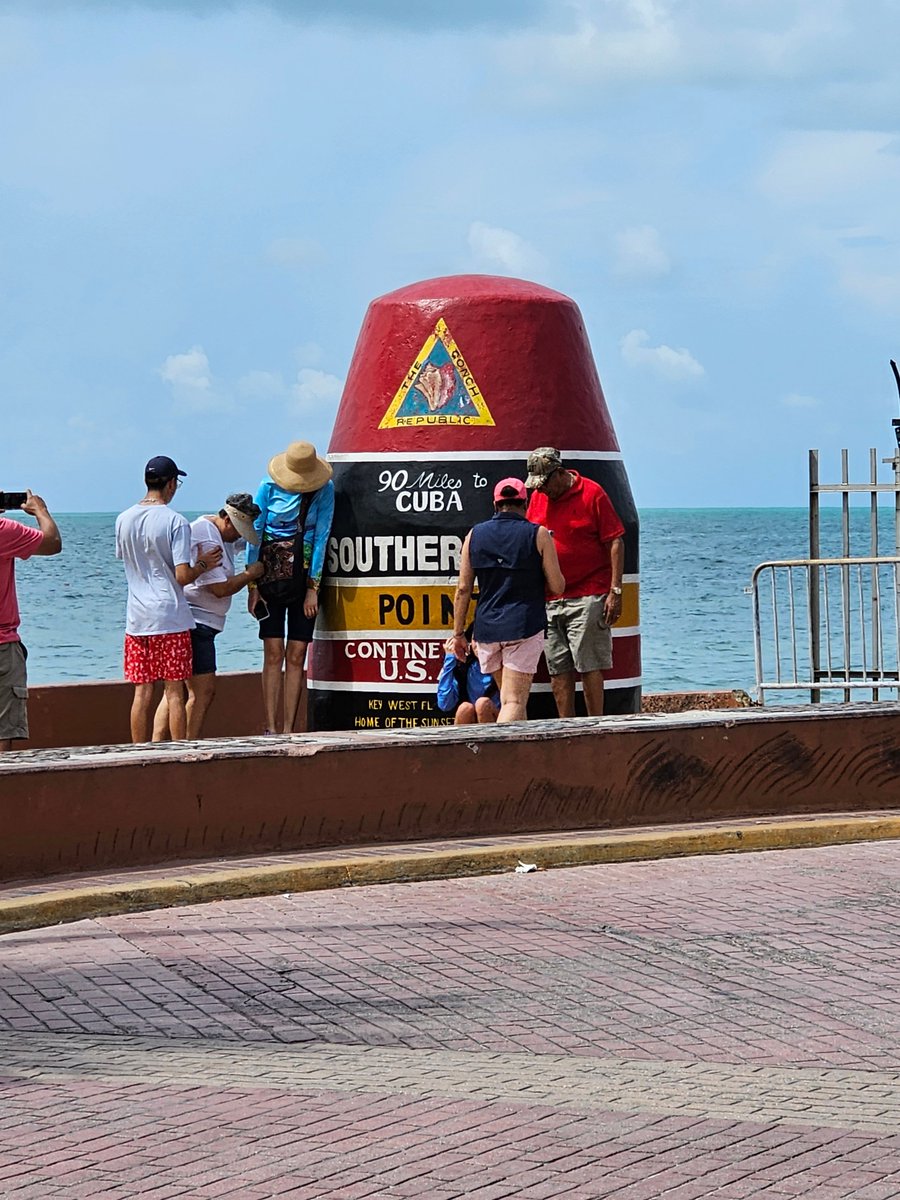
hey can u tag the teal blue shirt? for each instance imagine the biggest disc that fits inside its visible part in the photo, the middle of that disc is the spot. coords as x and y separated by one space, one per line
278 516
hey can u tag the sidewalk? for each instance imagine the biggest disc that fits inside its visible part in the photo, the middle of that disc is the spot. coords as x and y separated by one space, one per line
30 904
700 1026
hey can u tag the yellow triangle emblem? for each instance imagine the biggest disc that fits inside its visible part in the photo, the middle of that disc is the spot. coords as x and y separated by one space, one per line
439 389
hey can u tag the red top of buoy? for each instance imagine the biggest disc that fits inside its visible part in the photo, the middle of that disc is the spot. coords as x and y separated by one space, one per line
472 362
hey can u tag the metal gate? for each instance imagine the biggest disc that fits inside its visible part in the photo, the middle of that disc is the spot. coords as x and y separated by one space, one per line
831 626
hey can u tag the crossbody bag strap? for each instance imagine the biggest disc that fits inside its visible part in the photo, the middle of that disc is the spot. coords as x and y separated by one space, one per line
305 502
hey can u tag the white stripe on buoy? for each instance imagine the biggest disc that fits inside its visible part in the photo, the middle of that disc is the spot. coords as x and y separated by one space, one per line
468 455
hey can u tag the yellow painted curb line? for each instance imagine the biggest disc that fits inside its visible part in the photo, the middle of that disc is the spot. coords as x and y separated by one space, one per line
73 904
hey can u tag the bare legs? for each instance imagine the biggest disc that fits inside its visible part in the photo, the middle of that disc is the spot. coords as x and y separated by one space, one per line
294 686
482 712
177 714
170 719
514 688
140 712
273 662
201 690
592 682
564 693
160 721
142 719
283 670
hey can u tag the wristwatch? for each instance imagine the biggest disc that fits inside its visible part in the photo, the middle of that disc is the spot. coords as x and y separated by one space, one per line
616 591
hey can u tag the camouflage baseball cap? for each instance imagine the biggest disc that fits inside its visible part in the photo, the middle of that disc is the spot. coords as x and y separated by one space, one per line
541 465
242 510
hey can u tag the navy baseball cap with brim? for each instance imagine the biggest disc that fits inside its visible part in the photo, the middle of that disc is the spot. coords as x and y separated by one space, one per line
162 467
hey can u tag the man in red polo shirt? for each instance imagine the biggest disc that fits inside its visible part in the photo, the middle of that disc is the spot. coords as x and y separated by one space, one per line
587 533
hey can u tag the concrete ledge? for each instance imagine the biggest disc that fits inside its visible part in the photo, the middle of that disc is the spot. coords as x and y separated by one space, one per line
96 713
90 899
82 810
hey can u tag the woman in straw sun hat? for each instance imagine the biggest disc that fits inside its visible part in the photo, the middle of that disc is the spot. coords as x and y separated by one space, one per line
296 502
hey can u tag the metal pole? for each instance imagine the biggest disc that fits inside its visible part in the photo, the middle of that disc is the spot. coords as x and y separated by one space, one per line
757 638
815 632
845 553
873 550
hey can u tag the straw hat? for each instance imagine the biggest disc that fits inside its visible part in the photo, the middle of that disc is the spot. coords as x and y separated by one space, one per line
300 469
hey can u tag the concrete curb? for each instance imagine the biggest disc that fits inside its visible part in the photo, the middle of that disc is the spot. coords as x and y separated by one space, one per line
91 900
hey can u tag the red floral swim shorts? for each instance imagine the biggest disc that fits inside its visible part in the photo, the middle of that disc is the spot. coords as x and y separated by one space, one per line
158 656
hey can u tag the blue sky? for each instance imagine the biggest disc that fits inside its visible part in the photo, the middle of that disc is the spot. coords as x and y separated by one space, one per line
198 201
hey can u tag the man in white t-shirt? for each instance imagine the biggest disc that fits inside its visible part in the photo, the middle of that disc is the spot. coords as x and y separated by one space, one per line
154 542
210 599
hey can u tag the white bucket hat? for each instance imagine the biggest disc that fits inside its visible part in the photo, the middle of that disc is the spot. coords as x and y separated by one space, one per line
299 468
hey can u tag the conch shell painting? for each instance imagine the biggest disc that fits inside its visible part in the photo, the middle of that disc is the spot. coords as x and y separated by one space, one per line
438 389
436 384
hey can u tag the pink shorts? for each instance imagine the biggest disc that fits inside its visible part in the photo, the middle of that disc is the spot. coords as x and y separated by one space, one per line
522 656
158 656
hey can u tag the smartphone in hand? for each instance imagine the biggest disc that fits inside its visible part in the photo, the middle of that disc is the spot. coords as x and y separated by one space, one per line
12 499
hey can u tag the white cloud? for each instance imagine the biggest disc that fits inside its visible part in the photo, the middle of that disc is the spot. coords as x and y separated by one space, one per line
91 434
822 166
316 392
877 289
423 18
81 424
640 254
663 360
190 379
613 39
620 40
261 385
308 354
815 55
293 252
837 194
503 249
798 400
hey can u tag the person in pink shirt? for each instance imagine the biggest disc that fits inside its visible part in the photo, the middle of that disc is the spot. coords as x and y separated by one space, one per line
18 541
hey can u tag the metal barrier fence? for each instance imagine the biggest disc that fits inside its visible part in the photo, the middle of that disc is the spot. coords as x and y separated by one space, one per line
827 625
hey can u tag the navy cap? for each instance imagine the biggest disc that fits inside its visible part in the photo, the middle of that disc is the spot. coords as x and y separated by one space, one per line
162 467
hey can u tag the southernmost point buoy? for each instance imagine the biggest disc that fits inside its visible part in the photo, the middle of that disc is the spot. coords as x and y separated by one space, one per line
453 382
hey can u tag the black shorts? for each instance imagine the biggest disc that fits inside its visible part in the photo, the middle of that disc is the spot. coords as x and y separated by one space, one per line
203 645
299 626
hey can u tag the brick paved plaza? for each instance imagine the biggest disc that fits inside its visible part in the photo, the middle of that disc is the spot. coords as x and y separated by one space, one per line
721 1026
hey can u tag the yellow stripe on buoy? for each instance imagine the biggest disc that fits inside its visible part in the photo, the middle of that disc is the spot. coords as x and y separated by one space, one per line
368 606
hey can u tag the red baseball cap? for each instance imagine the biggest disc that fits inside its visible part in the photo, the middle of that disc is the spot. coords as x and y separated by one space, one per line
510 489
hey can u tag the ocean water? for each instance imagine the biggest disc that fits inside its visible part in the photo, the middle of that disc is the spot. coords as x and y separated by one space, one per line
696 620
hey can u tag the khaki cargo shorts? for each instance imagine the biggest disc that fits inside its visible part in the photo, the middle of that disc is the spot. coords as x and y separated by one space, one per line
578 637
13 691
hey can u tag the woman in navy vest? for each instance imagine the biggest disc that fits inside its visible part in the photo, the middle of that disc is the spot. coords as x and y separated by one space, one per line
515 564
